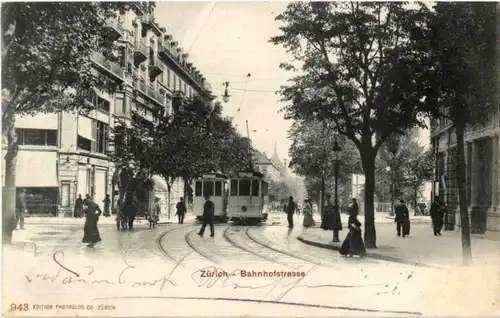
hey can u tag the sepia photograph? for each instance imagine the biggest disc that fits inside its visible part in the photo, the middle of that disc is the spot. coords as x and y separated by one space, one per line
250 159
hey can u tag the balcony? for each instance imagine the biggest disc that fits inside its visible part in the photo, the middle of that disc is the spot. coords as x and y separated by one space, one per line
140 52
115 28
148 23
106 66
155 68
150 92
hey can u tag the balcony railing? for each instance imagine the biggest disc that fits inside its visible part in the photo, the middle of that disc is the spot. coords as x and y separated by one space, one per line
141 51
155 68
116 26
151 92
113 68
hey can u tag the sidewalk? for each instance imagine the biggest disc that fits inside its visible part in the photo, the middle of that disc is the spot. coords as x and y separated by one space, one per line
102 220
421 247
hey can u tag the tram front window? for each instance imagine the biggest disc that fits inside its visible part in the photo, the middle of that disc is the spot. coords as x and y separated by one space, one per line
198 188
244 187
218 188
255 188
234 188
208 188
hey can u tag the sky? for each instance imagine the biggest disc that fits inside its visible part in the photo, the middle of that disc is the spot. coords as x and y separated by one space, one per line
226 41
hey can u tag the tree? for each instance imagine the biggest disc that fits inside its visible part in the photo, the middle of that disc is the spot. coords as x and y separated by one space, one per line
461 42
312 154
411 166
359 70
197 138
279 190
46 67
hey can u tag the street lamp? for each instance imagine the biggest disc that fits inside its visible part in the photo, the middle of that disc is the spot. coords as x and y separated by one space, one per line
388 169
336 149
226 95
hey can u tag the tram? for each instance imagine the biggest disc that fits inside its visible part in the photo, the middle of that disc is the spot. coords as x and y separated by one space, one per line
248 200
216 186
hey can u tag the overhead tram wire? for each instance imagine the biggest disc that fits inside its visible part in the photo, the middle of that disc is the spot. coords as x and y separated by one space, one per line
202 27
244 92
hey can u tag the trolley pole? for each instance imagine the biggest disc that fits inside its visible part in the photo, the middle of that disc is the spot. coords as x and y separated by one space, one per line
249 152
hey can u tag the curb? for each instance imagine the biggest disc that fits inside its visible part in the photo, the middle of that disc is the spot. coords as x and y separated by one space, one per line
370 254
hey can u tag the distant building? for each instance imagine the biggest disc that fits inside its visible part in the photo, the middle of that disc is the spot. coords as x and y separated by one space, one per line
272 167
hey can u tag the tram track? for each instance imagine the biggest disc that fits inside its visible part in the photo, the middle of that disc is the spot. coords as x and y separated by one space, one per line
188 242
239 246
286 253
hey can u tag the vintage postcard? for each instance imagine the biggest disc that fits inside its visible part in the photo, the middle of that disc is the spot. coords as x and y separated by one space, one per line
250 159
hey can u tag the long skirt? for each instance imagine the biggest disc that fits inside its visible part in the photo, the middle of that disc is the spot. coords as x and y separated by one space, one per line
353 244
308 220
90 231
327 222
78 212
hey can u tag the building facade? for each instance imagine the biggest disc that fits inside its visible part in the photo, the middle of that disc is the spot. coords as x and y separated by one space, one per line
482 145
271 167
66 154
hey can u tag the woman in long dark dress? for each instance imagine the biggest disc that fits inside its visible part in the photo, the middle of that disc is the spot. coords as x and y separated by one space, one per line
90 231
353 243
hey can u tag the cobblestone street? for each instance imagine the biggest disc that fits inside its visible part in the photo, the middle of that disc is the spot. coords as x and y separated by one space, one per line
165 268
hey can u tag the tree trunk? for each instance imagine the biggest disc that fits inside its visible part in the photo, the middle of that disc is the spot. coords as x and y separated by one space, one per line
9 190
462 195
169 190
322 198
368 159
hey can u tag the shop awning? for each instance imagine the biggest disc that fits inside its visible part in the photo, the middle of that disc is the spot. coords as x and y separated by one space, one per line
39 121
36 169
85 127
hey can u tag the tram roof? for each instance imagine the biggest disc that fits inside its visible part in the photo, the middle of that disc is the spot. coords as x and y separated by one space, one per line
212 175
249 174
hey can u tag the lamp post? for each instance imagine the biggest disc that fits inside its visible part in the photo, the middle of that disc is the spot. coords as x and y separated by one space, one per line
388 169
336 149
226 95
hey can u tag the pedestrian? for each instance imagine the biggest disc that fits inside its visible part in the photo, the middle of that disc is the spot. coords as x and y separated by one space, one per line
78 212
157 208
90 230
20 209
290 210
208 216
308 214
353 211
181 210
436 214
107 204
333 220
353 243
402 218
130 208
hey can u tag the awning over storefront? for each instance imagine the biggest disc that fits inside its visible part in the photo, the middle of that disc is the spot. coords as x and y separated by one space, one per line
85 127
39 121
36 169
160 184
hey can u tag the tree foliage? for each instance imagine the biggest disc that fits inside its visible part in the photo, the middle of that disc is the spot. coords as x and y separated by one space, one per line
197 138
358 68
411 166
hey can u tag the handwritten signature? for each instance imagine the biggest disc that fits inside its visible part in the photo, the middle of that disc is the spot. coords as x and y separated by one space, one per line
64 275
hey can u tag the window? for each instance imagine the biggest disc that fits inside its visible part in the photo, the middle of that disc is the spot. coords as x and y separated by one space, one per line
180 84
99 102
102 137
208 188
121 56
37 137
218 188
198 188
175 82
84 143
255 188
244 187
234 188
119 104
185 88
265 188
168 78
